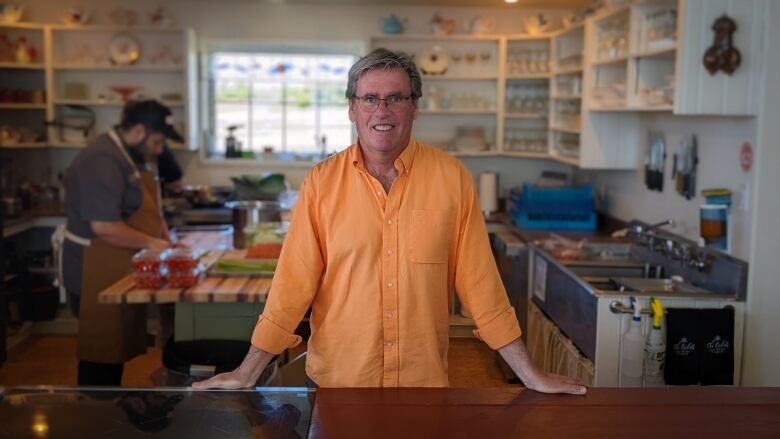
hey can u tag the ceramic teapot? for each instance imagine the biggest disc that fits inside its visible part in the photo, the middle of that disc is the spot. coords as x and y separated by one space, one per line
392 25
536 23
10 14
481 25
442 26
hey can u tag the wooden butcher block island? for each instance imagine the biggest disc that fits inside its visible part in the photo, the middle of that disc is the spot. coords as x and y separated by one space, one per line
222 289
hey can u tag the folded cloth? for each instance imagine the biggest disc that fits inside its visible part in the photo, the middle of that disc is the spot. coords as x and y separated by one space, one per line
699 346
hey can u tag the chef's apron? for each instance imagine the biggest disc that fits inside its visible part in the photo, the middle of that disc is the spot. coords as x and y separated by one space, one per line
112 333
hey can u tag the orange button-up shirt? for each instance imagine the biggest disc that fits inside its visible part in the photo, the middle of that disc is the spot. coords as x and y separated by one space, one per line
378 271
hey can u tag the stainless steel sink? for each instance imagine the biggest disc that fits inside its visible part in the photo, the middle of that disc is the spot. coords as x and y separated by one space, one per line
610 258
643 286
659 286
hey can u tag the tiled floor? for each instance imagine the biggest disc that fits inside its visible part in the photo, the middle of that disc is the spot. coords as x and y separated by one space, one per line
51 359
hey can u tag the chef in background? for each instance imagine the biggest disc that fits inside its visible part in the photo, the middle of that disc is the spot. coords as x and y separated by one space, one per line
169 171
114 210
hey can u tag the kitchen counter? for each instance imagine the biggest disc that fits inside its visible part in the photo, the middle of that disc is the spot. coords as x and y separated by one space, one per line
210 289
392 413
41 216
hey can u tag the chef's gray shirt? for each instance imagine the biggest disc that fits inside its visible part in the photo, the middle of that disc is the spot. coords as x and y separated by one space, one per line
100 187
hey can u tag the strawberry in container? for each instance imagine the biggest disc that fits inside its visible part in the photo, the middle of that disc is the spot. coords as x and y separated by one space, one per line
181 260
185 279
147 261
149 280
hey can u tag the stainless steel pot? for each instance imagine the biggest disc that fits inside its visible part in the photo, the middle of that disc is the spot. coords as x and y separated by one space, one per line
250 213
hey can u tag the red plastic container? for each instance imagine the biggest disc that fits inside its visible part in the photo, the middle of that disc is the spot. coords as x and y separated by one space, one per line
184 279
181 260
147 261
149 281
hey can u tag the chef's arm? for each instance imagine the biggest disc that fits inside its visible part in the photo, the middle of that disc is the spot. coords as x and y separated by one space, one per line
121 235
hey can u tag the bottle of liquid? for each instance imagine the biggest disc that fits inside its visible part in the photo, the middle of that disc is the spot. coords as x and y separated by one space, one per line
655 349
231 146
632 351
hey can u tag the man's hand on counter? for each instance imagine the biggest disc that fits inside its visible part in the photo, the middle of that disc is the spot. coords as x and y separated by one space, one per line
245 375
533 378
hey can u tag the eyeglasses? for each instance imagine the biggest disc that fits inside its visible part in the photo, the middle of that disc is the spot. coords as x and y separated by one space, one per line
371 102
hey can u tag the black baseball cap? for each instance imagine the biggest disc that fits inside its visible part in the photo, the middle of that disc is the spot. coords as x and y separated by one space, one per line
155 116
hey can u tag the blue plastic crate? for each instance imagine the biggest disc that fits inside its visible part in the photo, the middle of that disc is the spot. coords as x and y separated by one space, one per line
570 208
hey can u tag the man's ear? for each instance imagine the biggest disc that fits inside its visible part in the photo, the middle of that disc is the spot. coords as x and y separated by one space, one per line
352 110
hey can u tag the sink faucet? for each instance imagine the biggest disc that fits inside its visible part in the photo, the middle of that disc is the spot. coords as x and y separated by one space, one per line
646 235
693 259
672 250
669 222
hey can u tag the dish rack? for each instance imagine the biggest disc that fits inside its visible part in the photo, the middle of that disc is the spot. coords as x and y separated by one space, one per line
571 208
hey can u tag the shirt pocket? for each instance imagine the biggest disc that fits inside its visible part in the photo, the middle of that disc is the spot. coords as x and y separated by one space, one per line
430 235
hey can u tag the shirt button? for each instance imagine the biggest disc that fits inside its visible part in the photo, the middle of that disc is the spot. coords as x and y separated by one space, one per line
389 316
389 252
388 344
379 192
389 285
390 222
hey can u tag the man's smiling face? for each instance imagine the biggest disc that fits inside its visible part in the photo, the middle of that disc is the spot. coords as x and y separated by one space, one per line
384 129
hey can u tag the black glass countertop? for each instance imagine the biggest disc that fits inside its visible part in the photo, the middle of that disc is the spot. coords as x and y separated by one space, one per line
115 412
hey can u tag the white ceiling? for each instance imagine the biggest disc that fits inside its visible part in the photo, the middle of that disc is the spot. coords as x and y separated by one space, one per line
444 3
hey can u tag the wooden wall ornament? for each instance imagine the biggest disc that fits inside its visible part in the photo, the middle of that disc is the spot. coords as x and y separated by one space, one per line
722 55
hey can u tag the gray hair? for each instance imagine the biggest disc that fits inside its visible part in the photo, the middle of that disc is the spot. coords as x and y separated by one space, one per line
385 60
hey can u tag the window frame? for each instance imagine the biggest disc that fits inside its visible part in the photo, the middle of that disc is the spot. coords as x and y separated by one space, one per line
206 89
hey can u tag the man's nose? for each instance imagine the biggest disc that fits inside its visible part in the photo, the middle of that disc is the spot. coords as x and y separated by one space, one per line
382 107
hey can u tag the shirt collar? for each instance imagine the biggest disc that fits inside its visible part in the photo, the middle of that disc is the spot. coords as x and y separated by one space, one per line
403 163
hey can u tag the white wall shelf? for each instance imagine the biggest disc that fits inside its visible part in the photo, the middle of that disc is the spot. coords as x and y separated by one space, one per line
665 51
118 68
565 130
113 28
98 103
461 112
529 76
609 61
474 153
574 161
527 155
75 71
632 109
432 37
569 71
646 76
486 77
525 116
22 106
25 145
20 66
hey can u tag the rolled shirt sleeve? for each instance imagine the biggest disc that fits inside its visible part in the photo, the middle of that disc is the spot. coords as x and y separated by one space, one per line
297 277
477 281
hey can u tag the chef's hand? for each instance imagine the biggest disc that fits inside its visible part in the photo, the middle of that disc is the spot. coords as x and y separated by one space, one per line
245 375
534 378
158 244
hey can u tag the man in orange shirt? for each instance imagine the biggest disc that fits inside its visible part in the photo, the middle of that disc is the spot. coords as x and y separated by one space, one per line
382 234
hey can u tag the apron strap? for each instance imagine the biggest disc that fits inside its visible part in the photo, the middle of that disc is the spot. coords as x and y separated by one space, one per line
118 142
136 172
70 236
